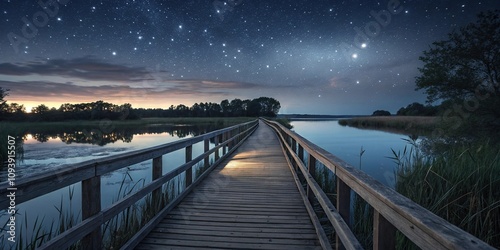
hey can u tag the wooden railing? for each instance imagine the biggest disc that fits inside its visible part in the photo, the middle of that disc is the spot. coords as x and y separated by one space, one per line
89 173
392 211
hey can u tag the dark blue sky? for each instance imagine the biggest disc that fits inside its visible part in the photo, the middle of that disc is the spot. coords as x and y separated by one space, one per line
323 57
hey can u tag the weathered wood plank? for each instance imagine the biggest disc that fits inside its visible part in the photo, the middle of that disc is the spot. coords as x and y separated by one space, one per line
161 244
239 225
230 237
238 228
256 235
91 205
250 198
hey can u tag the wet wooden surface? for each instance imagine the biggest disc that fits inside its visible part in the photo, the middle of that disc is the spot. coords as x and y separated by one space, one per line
251 202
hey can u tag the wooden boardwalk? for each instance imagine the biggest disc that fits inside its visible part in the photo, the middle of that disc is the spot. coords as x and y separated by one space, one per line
249 202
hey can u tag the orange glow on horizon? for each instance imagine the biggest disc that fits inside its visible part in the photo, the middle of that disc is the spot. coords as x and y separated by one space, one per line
147 103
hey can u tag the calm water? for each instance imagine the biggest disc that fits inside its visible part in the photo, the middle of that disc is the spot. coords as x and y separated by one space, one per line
44 152
346 143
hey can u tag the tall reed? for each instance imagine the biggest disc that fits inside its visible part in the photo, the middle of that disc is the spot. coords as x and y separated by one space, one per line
461 185
41 233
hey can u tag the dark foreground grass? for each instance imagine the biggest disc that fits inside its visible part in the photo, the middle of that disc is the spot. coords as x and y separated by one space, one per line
461 185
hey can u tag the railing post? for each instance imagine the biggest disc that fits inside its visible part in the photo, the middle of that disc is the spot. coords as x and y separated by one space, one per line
228 136
343 205
301 153
231 134
224 148
206 147
189 171
239 134
311 167
157 173
384 233
294 146
216 141
91 205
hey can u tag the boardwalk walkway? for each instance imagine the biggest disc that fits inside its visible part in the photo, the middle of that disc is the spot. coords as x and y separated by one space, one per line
249 202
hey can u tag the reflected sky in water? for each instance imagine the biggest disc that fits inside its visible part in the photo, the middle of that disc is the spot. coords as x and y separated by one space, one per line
346 143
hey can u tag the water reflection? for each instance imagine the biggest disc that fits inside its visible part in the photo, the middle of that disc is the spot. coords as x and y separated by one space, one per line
97 137
370 150
50 148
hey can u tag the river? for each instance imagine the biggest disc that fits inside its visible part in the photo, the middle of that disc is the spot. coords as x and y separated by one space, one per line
347 143
45 152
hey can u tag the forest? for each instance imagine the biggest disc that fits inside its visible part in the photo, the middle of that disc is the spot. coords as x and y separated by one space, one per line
262 106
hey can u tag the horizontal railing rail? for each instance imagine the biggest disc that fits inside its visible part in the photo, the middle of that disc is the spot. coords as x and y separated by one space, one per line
89 174
392 211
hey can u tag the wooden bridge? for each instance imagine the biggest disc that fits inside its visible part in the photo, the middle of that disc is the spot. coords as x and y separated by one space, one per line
256 195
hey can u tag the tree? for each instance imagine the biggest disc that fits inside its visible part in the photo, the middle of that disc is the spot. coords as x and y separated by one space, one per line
237 107
15 108
225 107
3 103
417 109
40 109
381 113
465 69
466 64
263 106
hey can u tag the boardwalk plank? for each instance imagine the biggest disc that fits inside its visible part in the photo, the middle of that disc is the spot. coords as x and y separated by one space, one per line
249 202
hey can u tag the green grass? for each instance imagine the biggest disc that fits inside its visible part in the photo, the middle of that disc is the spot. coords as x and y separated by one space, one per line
285 122
85 124
461 185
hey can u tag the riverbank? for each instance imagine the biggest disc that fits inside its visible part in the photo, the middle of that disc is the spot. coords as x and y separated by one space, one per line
174 121
100 129
419 125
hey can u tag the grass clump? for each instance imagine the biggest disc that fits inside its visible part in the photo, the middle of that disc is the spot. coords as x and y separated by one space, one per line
40 232
396 124
461 185
285 122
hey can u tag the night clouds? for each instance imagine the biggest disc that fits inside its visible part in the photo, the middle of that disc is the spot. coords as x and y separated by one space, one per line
313 56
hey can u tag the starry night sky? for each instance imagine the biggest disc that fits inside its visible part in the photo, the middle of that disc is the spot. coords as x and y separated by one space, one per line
319 57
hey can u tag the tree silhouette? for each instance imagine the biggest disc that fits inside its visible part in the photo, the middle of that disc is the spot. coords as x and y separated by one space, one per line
466 64
465 69
3 103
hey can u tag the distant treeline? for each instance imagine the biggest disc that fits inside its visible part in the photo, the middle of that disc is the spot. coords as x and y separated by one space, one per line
262 106
416 109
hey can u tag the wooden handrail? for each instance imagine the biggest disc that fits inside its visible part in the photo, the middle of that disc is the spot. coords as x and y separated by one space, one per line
422 227
89 174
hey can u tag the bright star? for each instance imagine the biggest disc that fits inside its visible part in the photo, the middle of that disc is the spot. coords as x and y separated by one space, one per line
363 45
354 56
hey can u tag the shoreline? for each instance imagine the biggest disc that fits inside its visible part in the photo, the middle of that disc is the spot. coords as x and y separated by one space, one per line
407 125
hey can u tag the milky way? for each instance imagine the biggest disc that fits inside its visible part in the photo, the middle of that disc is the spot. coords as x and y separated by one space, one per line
324 57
